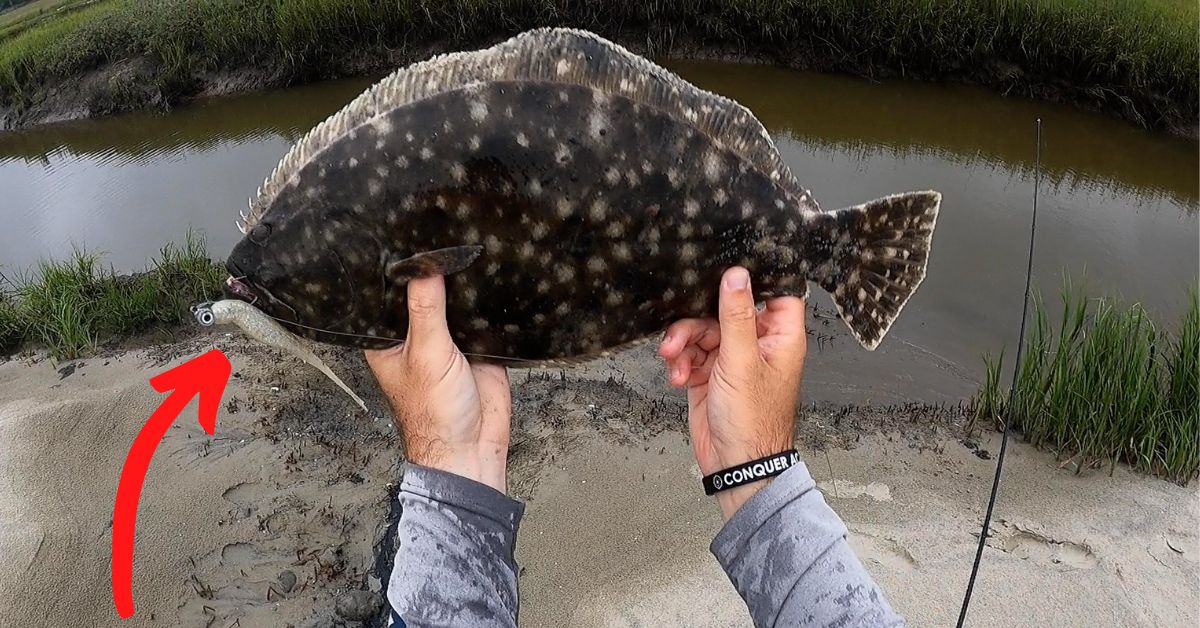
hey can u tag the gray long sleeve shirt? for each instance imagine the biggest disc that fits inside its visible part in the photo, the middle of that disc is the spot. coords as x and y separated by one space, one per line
785 551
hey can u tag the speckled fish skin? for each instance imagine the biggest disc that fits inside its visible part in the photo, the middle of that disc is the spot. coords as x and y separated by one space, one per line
578 198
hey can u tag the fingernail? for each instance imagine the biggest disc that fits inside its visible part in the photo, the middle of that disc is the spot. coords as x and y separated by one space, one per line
737 279
676 372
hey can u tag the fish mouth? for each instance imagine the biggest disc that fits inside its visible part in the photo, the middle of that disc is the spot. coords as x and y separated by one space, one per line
240 289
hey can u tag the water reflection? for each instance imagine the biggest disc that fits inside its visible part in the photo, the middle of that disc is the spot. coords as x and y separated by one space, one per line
1118 203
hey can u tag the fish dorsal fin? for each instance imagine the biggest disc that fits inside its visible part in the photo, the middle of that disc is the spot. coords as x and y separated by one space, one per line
559 55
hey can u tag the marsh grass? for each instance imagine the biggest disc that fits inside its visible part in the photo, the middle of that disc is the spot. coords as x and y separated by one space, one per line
1136 57
1103 385
73 305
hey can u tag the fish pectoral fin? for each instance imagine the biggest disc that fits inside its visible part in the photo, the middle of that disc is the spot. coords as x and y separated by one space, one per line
445 261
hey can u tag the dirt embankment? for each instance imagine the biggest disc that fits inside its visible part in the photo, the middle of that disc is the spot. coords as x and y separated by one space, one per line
135 84
283 518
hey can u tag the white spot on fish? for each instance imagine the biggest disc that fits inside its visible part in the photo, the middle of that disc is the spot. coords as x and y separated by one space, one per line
352 162
374 187
614 298
598 210
691 208
535 187
747 210
479 110
720 196
615 229
543 286
673 176
539 231
426 153
686 230
597 123
492 244
401 161
464 211
622 252
469 294
479 323
474 143
688 252
562 67
690 278
713 169
612 175
526 250
562 154
492 268
522 140
564 208
564 273
596 264
458 172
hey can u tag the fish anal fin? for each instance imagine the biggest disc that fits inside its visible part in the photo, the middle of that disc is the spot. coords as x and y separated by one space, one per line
445 261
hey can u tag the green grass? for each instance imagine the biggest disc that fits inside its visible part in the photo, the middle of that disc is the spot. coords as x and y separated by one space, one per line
73 305
1105 385
1137 58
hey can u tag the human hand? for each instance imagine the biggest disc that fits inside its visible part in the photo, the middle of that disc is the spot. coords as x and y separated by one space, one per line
742 374
452 415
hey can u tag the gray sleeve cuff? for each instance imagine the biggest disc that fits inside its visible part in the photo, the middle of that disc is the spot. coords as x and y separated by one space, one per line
785 552
455 546
462 493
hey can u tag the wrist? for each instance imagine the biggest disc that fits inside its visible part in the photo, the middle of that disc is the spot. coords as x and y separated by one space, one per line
729 501
478 463
735 483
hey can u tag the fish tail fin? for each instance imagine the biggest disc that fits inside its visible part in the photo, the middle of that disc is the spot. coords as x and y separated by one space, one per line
878 253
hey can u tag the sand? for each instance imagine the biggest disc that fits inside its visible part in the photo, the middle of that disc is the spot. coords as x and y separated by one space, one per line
616 532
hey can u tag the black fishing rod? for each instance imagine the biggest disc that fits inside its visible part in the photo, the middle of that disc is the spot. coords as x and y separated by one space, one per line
1012 389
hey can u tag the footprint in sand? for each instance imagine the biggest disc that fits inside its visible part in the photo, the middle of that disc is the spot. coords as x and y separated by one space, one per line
246 497
884 551
843 489
1025 543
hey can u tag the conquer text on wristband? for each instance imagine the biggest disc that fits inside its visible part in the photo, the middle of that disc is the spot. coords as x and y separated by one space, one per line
749 472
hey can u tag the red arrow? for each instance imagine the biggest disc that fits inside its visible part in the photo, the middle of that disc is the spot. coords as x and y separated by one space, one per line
205 376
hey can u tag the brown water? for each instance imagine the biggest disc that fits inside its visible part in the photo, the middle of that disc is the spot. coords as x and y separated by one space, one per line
1116 202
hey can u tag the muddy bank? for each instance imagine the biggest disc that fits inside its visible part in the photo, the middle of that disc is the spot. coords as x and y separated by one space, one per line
141 84
282 518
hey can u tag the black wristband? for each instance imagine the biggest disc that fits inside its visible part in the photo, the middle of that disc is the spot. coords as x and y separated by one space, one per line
749 472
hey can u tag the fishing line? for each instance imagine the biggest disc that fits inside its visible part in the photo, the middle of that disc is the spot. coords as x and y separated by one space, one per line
369 337
1012 389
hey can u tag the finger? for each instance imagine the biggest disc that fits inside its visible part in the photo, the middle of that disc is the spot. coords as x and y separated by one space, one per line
680 368
701 371
783 316
427 312
704 332
738 319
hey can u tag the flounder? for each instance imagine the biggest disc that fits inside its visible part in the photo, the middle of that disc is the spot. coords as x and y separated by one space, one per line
578 197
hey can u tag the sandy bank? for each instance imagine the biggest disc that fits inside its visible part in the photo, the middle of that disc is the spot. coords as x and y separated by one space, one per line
296 482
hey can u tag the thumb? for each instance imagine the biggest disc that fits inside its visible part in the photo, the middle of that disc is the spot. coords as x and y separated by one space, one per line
738 319
427 311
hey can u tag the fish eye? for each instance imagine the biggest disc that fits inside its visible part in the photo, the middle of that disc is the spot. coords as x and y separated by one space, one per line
260 232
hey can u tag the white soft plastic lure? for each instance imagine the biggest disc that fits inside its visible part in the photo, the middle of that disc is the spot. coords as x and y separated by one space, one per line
264 329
